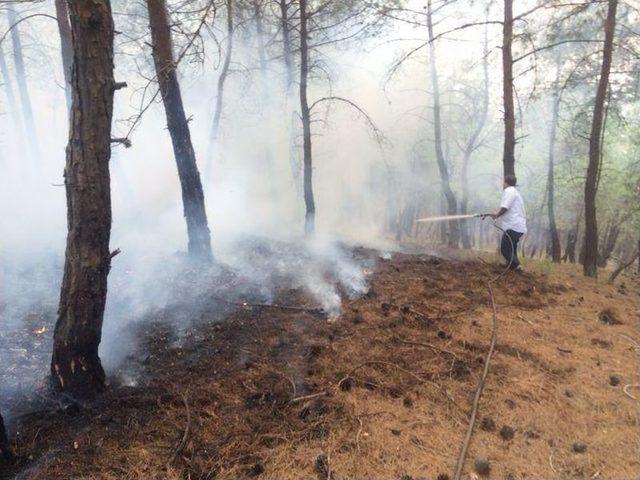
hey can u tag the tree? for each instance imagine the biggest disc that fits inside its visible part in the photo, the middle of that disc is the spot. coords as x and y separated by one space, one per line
66 46
508 155
191 185
590 265
222 78
309 200
6 454
8 88
75 365
21 79
556 253
454 231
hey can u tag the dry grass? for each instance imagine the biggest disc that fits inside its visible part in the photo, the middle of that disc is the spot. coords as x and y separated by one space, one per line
395 375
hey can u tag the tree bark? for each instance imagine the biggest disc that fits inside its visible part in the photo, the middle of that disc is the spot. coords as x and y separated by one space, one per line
66 46
190 183
454 231
554 239
508 156
222 78
23 89
310 205
75 365
590 265
6 454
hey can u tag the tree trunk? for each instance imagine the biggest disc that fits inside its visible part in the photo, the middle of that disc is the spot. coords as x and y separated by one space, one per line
190 183
508 157
8 88
75 365
6 454
23 89
7 83
553 229
222 78
609 241
66 46
285 26
266 97
473 143
454 231
309 201
623 266
590 265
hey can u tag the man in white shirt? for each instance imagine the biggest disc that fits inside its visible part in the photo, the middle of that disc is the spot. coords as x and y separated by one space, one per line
514 221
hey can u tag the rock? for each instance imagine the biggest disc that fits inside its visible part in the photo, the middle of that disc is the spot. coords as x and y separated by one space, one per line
609 316
442 476
407 402
322 467
487 424
482 466
506 432
256 470
579 447
614 380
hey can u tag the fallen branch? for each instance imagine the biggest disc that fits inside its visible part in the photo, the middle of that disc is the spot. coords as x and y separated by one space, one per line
483 379
309 397
627 387
622 267
311 311
185 437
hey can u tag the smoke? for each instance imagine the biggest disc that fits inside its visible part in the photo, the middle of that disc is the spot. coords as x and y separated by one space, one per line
252 185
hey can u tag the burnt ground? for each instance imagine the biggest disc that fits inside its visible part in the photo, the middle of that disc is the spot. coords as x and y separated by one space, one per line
384 390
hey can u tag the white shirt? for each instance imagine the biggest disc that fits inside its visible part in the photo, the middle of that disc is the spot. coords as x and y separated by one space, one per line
515 218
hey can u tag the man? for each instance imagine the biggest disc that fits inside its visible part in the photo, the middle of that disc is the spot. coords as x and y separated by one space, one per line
514 221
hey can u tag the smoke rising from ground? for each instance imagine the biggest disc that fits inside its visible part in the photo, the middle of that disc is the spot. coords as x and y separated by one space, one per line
252 193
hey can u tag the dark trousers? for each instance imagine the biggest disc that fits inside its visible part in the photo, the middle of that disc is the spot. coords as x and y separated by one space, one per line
509 248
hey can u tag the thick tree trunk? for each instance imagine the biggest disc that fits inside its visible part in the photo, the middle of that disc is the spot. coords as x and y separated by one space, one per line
590 265
222 78
6 454
190 183
454 230
23 89
508 157
75 365
66 46
309 201
553 229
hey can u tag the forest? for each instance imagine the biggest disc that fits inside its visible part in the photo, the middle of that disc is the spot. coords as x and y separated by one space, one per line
332 239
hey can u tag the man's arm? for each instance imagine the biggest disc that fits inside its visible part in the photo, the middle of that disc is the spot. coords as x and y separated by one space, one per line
497 214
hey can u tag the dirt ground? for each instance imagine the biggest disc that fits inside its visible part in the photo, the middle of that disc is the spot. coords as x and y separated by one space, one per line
383 391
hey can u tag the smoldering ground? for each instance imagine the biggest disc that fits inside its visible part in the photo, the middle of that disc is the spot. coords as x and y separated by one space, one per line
252 192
